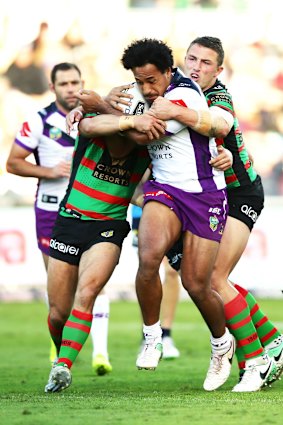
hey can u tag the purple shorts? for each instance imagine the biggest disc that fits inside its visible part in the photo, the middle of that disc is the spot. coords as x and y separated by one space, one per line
44 221
204 214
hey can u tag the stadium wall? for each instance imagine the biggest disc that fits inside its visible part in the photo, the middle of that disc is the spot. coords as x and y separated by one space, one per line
23 277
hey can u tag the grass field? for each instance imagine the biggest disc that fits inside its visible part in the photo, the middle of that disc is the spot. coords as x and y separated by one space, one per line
172 394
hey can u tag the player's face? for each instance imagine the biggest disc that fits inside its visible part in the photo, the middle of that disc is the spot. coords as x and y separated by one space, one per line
152 83
67 83
201 65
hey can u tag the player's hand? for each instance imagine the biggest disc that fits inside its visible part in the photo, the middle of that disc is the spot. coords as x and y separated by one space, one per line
162 108
251 158
153 127
89 100
223 161
62 169
119 95
74 116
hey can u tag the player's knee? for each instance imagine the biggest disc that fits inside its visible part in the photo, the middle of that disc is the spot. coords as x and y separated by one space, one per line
149 263
58 317
87 294
197 291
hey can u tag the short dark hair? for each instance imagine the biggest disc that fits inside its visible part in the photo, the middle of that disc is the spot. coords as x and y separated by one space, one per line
148 50
212 43
64 66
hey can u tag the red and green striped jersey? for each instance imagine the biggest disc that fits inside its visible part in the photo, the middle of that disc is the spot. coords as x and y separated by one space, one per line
101 187
242 172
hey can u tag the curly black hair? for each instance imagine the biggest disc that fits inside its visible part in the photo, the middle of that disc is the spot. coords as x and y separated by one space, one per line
148 51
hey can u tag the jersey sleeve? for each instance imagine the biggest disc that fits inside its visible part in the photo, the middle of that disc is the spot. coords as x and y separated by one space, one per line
187 97
221 99
29 135
223 113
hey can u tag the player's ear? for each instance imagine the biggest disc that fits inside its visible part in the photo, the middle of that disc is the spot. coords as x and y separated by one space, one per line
219 70
51 87
168 74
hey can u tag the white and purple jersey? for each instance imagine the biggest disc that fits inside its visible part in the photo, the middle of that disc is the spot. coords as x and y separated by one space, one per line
44 134
181 159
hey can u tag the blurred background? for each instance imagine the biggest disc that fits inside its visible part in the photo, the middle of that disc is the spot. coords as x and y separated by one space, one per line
93 34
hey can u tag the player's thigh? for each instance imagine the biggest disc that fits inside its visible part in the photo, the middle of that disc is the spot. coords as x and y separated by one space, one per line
97 265
159 228
233 243
61 283
198 259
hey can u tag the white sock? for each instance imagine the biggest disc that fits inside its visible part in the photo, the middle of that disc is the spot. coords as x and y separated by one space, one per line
221 345
99 327
152 331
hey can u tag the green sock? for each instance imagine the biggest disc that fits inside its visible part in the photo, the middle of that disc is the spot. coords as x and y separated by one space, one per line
239 322
266 331
75 333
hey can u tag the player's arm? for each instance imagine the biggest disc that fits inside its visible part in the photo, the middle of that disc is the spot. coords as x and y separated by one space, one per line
119 96
92 102
224 160
106 124
137 198
17 164
214 122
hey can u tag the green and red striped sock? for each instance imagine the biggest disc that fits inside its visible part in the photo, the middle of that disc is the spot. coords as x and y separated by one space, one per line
239 322
75 333
266 331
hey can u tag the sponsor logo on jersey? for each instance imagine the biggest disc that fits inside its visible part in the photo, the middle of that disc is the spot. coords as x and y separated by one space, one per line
55 133
252 214
62 247
220 97
107 233
213 223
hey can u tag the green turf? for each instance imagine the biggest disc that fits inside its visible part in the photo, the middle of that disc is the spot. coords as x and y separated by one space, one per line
172 394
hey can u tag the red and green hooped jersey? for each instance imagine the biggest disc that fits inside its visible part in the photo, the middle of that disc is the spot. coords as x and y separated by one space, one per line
100 187
242 172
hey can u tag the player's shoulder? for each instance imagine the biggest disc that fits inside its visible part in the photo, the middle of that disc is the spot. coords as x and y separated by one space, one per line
218 94
181 81
47 110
